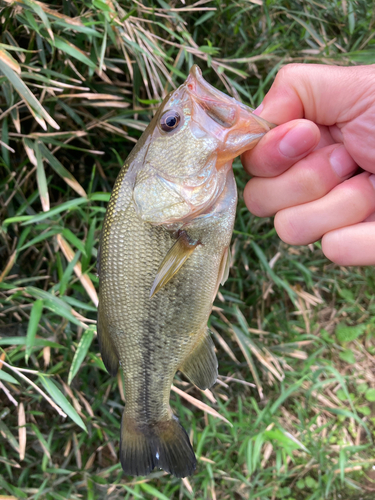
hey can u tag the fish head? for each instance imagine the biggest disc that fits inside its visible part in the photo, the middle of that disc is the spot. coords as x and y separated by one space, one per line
200 114
191 141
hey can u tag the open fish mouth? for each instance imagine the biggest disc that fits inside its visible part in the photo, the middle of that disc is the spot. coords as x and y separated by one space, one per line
231 122
218 106
223 109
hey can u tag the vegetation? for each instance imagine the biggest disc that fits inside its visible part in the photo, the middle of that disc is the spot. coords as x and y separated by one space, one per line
294 333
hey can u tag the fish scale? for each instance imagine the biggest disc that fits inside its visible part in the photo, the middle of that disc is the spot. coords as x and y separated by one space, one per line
160 266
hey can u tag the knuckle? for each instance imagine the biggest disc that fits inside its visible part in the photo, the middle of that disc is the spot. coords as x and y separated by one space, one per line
288 71
254 201
311 186
287 227
333 248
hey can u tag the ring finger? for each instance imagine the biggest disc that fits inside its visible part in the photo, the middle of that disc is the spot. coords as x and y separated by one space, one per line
348 203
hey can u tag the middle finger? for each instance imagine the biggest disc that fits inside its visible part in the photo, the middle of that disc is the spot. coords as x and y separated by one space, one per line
307 180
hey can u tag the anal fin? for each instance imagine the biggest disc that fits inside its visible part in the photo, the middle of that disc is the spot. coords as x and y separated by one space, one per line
107 349
173 261
201 365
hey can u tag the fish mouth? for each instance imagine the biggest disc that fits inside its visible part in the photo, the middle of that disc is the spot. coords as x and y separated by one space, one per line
219 106
233 120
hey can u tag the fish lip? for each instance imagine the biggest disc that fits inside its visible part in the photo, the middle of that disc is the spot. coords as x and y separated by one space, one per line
222 108
209 98
203 92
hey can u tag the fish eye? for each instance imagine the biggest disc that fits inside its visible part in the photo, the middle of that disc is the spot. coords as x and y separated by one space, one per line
169 121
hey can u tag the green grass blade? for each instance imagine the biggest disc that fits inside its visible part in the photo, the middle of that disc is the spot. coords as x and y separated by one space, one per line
68 205
37 342
279 282
80 354
40 12
153 491
62 171
26 94
61 400
8 378
71 50
54 304
36 313
41 180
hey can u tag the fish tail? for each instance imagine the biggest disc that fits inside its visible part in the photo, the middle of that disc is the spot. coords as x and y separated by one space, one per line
161 444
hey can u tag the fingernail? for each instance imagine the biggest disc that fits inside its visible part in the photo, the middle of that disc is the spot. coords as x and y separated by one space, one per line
372 179
342 163
259 109
297 141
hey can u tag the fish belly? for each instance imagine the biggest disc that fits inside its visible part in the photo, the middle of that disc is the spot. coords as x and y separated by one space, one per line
152 336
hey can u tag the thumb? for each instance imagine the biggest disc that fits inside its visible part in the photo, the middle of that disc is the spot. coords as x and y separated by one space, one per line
327 95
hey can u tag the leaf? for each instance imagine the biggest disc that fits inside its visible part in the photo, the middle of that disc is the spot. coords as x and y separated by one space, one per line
346 333
349 414
38 342
26 94
9 61
285 394
22 430
300 484
100 197
7 378
351 17
281 438
62 171
365 410
72 238
205 17
153 491
362 388
342 395
54 211
310 482
199 404
242 343
278 281
80 354
36 313
61 400
54 304
347 356
6 433
41 180
40 12
370 395
73 51
84 278
65 23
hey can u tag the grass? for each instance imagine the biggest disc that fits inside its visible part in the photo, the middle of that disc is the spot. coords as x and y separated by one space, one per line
294 333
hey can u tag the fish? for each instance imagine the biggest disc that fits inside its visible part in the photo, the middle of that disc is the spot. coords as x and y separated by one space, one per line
164 251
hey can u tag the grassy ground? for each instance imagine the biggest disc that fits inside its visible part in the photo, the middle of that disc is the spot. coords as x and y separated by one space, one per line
294 333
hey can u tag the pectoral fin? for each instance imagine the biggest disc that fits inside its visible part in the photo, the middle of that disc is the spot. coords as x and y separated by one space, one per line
173 261
224 266
201 366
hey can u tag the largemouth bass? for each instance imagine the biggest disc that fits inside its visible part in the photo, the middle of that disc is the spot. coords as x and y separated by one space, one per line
163 254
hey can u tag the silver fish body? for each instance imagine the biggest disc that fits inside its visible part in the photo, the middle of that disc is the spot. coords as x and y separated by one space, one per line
163 254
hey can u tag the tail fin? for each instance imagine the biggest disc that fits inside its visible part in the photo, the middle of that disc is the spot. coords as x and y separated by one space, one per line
163 444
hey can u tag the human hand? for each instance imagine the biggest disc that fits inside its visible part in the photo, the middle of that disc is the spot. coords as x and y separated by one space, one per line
303 169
